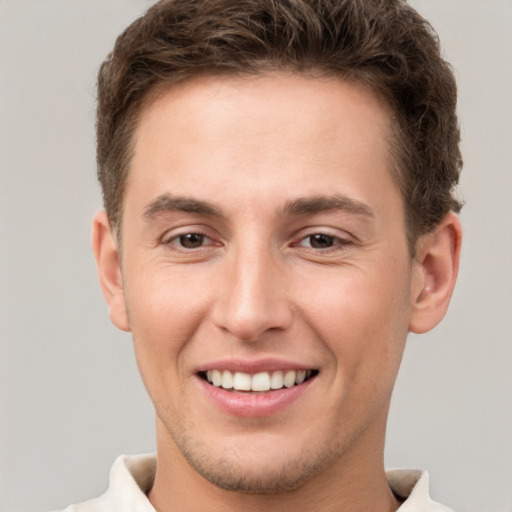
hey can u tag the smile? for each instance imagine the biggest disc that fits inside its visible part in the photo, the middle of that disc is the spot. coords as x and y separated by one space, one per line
258 382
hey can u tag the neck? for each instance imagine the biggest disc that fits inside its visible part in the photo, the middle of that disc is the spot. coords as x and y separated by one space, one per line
357 482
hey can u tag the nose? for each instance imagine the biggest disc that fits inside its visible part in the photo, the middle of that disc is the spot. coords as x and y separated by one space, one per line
253 296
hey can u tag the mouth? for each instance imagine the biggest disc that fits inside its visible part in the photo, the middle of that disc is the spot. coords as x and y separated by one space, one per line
261 382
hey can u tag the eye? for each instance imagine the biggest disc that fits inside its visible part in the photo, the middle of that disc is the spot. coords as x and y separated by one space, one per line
322 241
189 241
319 241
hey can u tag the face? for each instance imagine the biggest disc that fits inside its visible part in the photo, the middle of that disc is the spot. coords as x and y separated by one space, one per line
266 276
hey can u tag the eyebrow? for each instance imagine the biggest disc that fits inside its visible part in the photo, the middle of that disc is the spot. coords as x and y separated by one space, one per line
167 203
319 204
301 206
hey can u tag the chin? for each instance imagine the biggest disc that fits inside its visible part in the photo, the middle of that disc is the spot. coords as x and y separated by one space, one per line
256 484
259 471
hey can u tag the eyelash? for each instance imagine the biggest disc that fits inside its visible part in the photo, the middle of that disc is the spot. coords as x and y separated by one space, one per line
179 239
336 242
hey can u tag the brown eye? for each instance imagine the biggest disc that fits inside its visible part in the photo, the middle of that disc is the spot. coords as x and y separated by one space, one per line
321 241
191 240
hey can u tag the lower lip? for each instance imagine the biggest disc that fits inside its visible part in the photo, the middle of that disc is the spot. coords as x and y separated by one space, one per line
254 405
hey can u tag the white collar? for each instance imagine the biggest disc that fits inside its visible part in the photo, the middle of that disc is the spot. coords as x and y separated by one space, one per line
131 478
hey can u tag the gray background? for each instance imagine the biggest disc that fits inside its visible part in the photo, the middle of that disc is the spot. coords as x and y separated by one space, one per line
70 397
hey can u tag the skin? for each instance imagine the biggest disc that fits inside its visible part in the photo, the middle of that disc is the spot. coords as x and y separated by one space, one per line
267 165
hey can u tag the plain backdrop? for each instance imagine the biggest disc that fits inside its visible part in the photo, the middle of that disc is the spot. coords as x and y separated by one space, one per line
70 395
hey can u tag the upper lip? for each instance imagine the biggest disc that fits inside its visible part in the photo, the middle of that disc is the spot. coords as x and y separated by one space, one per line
253 366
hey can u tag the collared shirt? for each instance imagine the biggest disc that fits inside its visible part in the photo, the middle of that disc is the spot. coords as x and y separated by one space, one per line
131 478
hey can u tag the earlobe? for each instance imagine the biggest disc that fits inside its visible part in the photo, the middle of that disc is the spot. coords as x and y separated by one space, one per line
436 266
107 258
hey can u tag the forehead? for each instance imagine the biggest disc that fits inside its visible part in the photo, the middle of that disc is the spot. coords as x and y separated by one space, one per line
260 103
271 136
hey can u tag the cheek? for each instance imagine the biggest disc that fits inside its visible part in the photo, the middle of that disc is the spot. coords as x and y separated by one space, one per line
362 318
165 309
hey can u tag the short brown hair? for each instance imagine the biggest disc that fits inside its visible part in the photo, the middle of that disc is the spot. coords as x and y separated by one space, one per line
383 44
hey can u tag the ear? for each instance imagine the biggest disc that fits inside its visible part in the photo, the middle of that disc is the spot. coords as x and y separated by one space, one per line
436 265
108 262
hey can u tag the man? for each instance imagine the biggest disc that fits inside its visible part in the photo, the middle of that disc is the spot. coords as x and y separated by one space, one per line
277 179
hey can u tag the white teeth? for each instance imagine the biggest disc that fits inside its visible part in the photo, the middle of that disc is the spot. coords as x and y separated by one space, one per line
289 378
227 379
260 382
216 378
263 381
276 381
242 381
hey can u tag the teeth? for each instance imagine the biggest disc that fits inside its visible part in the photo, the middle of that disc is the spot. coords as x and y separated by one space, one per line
227 380
260 382
242 381
289 378
301 377
216 378
276 381
263 381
